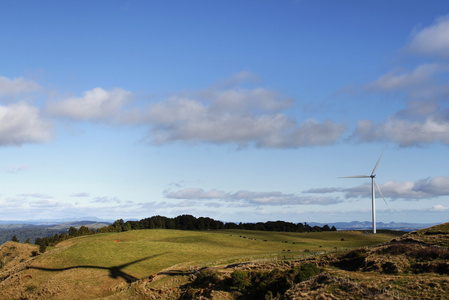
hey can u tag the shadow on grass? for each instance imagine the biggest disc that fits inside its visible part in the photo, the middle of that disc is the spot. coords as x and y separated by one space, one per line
114 272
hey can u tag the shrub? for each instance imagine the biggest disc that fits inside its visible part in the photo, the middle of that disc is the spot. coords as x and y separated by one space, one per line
240 279
42 248
431 253
266 284
352 261
206 276
306 271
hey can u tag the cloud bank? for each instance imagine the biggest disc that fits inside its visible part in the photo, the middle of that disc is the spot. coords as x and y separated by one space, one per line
425 119
21 123
249 197
231 113
96 105
426 188
17 86
432 40
234 115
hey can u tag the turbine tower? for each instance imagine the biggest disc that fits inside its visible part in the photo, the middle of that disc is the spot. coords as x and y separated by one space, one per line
373 192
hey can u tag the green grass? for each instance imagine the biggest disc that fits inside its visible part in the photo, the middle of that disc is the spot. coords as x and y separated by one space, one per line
161 249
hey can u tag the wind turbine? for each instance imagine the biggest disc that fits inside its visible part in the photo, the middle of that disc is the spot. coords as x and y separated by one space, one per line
373 192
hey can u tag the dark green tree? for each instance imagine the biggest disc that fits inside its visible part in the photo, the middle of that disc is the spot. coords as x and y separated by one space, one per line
42 248
84 230
64 236
15 239
73 231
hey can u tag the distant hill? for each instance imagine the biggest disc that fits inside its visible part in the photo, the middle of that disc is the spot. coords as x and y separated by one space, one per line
25 231
366 225
48 222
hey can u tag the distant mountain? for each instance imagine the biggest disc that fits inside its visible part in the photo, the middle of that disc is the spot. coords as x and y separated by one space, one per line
33 231
366 225
54 221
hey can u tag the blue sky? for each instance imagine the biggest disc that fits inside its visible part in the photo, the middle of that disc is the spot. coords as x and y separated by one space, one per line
235 110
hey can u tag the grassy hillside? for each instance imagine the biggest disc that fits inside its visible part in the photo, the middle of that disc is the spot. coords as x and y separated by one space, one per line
96 266
160 249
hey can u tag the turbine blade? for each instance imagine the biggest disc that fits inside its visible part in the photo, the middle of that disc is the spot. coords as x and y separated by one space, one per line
357 176
378 188
375 167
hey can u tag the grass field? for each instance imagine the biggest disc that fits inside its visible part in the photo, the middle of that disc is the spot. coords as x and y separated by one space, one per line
141 253
110 265
95 266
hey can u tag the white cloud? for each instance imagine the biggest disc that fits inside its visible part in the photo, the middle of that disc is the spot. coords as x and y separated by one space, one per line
106 200
81 195
249 197
404 132
95 105
195 193
425 117
440 207
413 190
238 116
35 195
43 204
400 80
17 86
34 208
239 77
21 123
432 40
322 190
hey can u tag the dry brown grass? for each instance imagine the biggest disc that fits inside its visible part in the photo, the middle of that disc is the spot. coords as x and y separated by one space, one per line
415 266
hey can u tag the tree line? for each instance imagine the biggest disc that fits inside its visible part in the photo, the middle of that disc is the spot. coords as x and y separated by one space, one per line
183 222
25 233
189 222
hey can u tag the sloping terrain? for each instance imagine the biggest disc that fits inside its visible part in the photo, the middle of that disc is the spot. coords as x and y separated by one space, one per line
173 264
414 266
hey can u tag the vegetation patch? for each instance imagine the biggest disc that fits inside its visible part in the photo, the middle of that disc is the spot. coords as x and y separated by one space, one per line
246 284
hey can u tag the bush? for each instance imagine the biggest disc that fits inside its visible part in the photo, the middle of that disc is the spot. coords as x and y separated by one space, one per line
431 253
306 271
240 279
353 260
397 249
205 277
42 248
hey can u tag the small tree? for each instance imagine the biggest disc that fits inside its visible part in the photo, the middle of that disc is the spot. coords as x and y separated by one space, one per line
42 248
28 241
15 239
73 231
